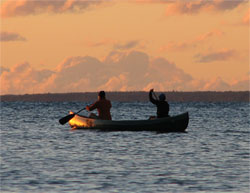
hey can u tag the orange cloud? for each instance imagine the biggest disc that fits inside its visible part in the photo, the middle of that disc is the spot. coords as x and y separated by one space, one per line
153 1
117 83
216 33
10 36
246 18
115 44
119 71
12 8
126 46
242 84
180 46
2 69
103 42
221 55
22 78
77 73
193 7
217 84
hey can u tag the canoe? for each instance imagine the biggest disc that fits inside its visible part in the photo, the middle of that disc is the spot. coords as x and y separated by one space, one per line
176 123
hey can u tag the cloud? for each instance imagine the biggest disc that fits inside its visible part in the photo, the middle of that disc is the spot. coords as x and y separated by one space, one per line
12 8
77 74
222 55
217 84
165 75
117 83
119 71
194 7
132 65
2 69
10 36
103 42
126 46
246 18
242 84
206 36
115 45
177 46
154 1
195 42
22 78
161 70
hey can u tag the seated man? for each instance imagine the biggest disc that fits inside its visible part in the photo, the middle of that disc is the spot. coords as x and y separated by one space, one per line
161 104
103 107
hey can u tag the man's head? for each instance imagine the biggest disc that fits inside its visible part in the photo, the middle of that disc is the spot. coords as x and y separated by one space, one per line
162 97
101 94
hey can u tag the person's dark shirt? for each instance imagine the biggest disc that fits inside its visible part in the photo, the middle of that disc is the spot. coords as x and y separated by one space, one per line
162 106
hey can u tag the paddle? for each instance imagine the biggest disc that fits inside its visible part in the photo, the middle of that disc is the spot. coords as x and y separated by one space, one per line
155 95
65 119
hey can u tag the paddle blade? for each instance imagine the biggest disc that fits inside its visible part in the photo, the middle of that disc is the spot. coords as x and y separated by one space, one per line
64 120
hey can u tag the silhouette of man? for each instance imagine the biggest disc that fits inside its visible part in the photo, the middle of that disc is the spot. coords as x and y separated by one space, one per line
103 107
161 104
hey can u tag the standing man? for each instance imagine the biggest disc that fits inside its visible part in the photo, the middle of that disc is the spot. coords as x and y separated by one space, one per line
103 107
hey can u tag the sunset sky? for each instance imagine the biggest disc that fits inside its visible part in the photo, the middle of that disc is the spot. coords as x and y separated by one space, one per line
124 45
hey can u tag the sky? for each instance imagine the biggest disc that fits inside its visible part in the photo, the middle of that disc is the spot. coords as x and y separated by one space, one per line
58 46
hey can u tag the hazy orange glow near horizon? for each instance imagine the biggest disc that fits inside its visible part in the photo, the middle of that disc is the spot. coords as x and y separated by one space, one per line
132 45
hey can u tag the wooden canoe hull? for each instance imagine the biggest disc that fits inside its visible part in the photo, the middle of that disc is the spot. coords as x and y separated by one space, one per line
177 123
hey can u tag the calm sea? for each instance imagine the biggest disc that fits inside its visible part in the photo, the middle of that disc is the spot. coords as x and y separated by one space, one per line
40 155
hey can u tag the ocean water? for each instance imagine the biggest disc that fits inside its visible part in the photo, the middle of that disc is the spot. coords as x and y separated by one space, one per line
40 155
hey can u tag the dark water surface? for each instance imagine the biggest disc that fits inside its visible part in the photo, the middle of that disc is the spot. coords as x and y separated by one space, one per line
40 155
